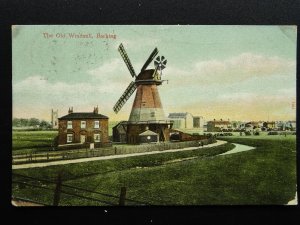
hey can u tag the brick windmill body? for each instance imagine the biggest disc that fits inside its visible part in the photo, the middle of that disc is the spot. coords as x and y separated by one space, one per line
147 118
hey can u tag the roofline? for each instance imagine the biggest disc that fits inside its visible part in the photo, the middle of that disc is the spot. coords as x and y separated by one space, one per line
105 118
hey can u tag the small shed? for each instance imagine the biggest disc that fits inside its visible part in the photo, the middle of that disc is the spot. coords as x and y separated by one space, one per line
119 132
148 136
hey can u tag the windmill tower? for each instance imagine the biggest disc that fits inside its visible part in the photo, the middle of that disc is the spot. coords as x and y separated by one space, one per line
147 112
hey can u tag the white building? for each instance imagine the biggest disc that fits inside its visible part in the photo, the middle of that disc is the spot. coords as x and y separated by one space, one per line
182 120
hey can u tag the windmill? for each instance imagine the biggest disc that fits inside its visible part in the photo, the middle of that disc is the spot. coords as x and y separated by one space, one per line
147 111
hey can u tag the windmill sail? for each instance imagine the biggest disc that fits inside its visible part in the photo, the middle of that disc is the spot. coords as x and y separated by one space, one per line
126 60
149 60
125 96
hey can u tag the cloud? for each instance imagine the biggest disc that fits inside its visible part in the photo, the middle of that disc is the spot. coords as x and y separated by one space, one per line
211 88
244 106
232 70
113 72
36 96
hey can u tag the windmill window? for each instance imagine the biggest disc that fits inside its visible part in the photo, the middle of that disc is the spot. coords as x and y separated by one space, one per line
152 114
69 126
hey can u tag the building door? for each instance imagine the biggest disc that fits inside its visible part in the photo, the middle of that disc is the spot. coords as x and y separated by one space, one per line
82 139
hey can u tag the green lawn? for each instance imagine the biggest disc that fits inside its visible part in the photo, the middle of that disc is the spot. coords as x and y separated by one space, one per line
32 141
265 175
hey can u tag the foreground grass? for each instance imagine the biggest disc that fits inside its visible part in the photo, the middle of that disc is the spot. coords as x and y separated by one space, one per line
89 174
265 175
32 141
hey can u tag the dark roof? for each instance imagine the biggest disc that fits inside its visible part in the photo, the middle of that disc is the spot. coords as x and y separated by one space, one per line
178 115
219 122
84 115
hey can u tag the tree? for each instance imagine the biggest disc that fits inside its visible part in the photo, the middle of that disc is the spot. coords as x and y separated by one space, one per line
44 124
33 122
23 122
16 122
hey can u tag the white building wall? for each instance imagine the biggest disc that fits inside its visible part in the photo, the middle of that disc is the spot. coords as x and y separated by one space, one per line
189 121
178 123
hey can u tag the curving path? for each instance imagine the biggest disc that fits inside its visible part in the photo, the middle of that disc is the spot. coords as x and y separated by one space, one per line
238 148
62 162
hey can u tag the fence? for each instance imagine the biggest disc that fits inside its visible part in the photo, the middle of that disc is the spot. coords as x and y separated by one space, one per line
71 191
116 150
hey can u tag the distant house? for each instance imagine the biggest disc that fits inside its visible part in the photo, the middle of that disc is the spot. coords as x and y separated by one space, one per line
291 125
280 125
182 120
218 125
83 128
269 125
253 125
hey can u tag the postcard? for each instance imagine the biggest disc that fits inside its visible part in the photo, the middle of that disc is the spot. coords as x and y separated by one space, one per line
138 115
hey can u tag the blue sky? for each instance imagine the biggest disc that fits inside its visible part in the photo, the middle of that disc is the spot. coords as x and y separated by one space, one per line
235 72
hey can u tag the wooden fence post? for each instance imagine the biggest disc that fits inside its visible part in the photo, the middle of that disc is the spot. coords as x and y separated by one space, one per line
57 190
122 196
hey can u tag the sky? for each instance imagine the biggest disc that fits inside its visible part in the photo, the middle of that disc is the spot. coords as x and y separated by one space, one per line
218 72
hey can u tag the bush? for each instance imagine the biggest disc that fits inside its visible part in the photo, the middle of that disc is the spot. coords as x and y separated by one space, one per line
273 133
247 133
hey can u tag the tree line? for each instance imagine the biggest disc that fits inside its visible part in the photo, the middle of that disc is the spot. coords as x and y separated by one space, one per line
32 122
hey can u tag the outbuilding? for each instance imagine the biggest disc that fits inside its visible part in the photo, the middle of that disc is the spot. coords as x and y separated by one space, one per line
148 136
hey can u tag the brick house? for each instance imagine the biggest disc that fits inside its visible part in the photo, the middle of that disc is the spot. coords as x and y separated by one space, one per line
82 128
218 125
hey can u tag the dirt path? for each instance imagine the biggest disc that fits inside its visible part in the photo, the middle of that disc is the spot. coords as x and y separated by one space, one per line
62 162
238 148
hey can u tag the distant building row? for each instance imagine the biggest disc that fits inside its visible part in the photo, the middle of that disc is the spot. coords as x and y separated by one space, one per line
227 125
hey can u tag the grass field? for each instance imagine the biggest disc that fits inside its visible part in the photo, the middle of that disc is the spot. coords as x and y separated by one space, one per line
265 175
32 141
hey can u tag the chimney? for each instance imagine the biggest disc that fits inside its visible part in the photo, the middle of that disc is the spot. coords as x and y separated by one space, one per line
96 110
70 110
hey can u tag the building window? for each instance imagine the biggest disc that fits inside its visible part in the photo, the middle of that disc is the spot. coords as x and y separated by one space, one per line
97 137
96 124
83 124
69 138
69 125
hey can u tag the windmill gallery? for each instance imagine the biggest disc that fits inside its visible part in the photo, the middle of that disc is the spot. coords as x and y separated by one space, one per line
147 122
